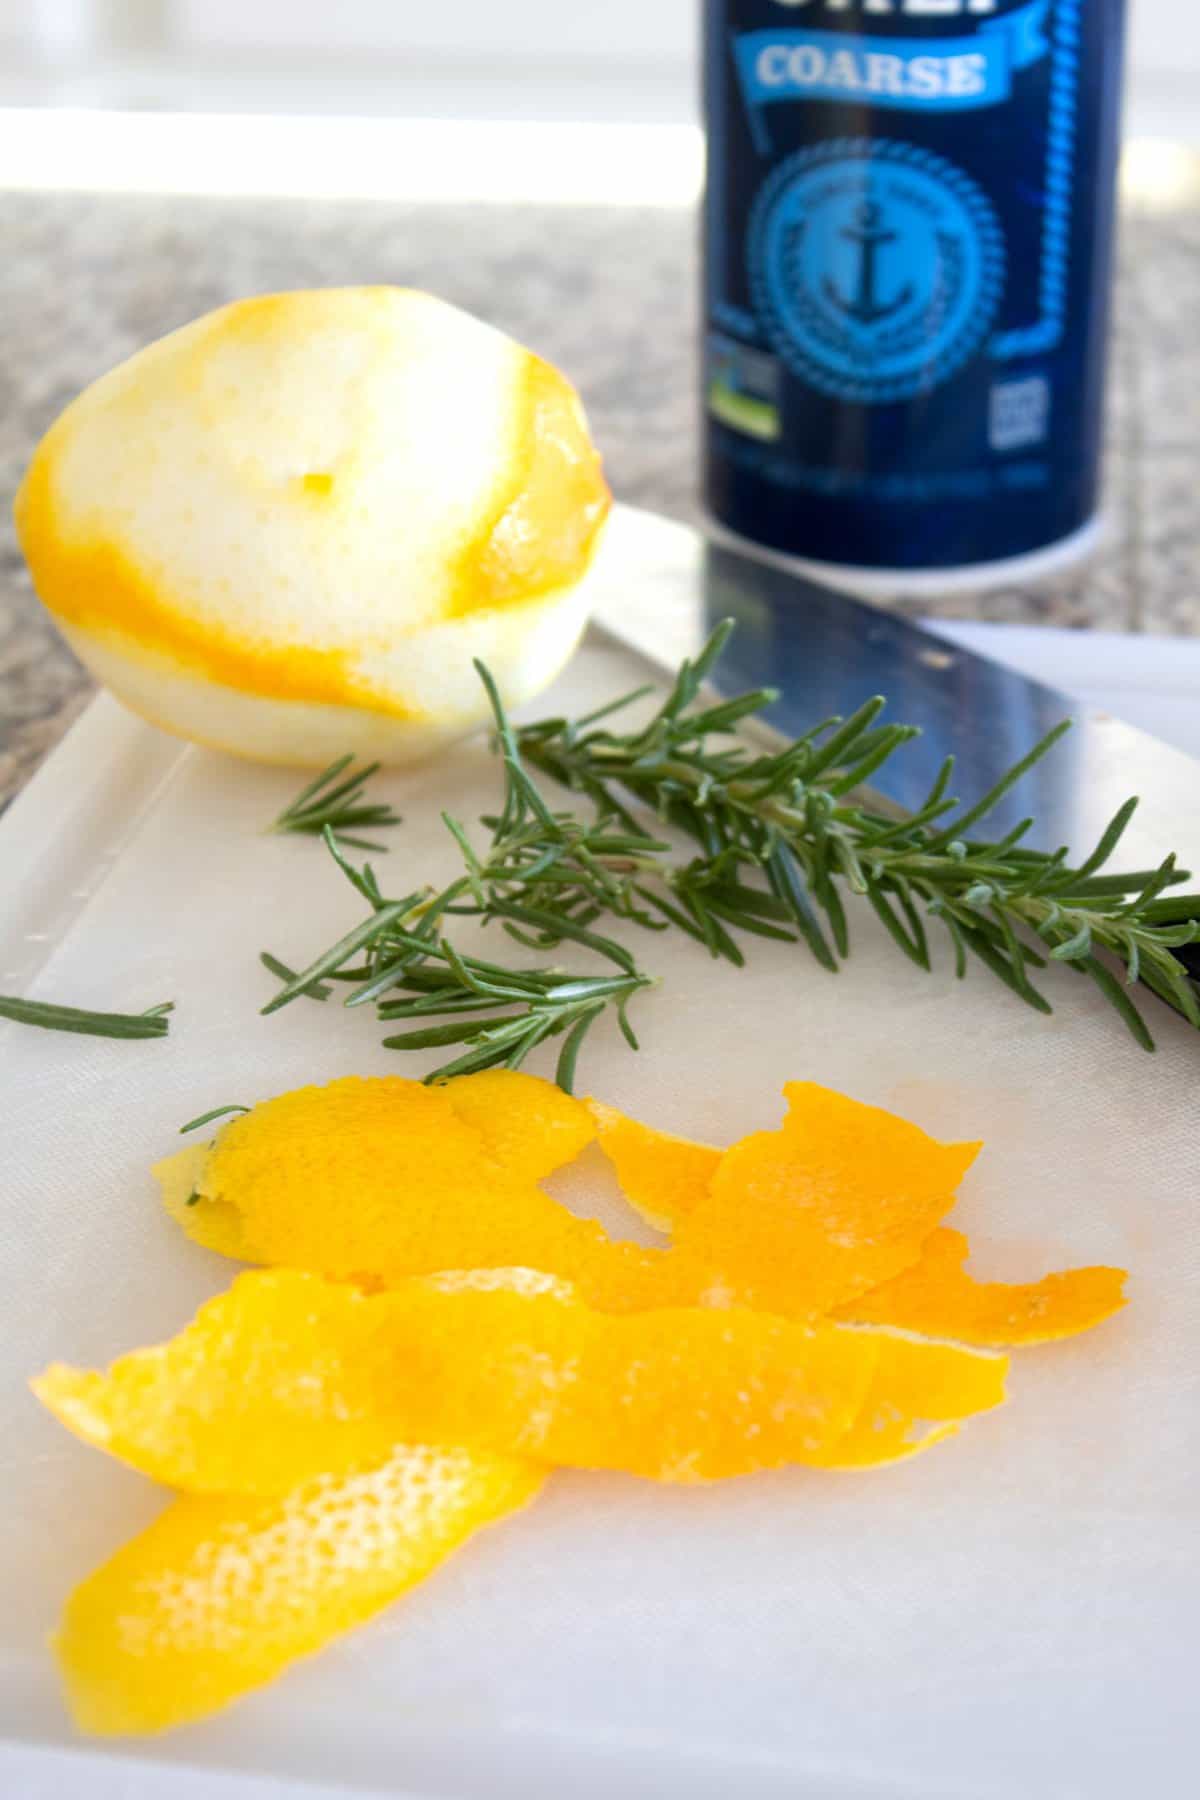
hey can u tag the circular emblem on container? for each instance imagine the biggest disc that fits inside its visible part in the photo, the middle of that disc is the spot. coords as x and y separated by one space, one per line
876 267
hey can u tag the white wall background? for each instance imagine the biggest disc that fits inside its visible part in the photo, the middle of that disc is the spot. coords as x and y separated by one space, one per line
608 60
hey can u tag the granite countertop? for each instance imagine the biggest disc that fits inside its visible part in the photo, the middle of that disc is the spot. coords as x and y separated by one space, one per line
608 293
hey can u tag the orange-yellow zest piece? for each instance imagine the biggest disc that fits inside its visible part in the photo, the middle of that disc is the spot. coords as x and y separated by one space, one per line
663 1177
838 1200
286 1376
221 1593
528 1126
382 1179
280 1378
213 1223
937 1296
919 1395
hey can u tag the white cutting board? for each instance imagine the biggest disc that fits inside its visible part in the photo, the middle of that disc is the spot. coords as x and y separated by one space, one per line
1012 1614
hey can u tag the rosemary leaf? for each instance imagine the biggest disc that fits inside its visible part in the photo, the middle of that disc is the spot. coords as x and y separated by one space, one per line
316 990
564 1074
218 1112
152 1023
337 805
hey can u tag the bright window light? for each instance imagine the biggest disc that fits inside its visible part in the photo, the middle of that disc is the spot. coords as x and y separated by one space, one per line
340 158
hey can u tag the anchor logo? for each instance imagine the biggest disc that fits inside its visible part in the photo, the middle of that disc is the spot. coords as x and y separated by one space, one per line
876 268
870 234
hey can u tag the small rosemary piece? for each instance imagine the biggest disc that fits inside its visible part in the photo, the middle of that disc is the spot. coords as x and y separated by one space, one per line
153 1023
335 800
218 1112
317 990
781 839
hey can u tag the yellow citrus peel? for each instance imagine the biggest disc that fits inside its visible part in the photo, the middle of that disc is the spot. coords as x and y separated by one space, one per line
937 1297
839 1199
222 1592
919 1394
286 1376
376 1181
213 1223
340 1421
528 1127
663 1177
666 1179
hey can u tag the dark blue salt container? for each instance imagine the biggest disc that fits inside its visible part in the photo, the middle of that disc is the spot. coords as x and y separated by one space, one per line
908 235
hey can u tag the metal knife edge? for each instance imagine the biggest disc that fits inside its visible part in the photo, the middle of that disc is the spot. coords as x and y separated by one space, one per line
657 598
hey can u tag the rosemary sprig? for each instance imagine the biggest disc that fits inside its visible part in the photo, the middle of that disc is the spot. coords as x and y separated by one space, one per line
781 839
335 800
495 1015
400 958
153 1023
544 880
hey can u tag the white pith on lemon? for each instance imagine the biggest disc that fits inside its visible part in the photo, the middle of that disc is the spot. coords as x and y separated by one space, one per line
289 528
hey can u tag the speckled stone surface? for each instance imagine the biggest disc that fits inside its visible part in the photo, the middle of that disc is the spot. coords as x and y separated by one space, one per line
609 295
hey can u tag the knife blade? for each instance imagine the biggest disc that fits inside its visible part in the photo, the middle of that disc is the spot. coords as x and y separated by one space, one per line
665 587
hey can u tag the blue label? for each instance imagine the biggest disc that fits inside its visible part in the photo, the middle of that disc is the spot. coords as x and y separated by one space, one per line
876 267
953 74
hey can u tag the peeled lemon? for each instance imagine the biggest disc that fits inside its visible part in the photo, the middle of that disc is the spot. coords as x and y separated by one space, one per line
289 528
